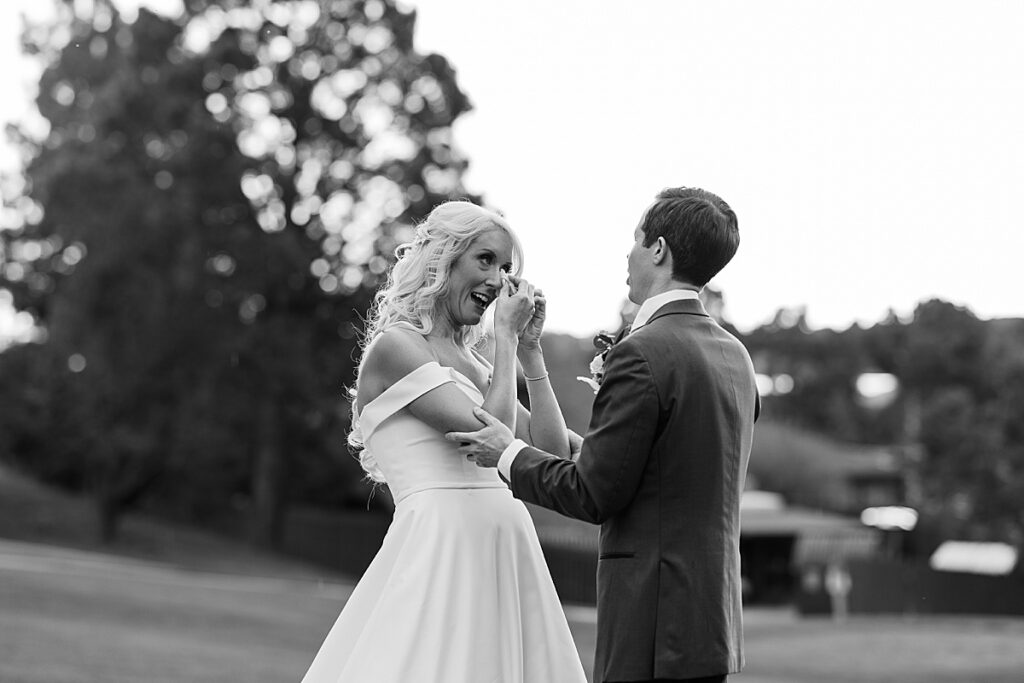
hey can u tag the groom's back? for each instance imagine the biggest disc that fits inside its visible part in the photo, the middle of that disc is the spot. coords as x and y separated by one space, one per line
683 523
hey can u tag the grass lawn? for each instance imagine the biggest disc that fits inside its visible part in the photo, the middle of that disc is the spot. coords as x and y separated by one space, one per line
69 616
783 648
76 617
168 605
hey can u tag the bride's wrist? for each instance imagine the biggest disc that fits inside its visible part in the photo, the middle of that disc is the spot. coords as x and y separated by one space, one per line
533 366
527 351
532 377
507 340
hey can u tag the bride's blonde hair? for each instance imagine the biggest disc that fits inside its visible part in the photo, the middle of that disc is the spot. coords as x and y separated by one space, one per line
419 282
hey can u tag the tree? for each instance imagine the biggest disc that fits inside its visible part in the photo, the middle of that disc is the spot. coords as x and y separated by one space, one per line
823 366
962 381
203 224
957 415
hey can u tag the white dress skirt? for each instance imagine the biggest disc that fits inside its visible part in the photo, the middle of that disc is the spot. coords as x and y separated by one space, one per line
459 591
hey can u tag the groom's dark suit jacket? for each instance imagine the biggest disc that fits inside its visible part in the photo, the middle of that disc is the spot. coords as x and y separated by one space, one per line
662 469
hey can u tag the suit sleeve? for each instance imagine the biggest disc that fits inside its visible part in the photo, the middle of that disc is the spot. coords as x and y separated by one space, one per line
605 477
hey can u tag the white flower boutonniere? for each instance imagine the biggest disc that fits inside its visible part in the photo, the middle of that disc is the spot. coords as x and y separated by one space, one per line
603 342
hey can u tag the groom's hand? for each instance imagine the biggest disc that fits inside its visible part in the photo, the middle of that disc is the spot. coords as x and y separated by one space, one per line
575 445
486 445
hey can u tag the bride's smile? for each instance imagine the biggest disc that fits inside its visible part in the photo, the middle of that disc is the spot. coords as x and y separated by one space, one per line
476 277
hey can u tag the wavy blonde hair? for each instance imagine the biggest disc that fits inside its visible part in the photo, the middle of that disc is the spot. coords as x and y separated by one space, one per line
419 283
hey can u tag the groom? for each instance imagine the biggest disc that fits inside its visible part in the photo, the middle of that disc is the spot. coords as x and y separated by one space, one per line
663 463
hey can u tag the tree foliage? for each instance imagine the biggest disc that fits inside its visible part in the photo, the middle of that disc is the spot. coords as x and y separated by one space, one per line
957 416
199 232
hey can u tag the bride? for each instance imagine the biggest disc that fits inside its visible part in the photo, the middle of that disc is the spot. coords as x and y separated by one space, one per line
459 591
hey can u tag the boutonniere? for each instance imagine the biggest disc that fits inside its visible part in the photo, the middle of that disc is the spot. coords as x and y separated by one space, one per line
603 342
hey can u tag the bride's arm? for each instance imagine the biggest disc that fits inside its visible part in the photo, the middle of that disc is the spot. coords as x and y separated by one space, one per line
397 353
543 426
501 394
543 435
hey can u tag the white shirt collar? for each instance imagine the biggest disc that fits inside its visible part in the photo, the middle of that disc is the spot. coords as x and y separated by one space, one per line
651 305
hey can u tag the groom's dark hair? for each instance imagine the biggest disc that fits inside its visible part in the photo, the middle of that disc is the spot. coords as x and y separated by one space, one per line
700 229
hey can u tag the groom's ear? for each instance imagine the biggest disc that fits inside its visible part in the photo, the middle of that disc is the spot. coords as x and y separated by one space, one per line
660 251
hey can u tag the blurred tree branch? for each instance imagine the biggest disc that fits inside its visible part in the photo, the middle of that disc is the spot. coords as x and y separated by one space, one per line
198 231
957 416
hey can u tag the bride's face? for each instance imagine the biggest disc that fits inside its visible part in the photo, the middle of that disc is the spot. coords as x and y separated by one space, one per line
475 278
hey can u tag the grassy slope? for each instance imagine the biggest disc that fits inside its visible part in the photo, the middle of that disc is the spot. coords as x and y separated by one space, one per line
34 513
77 622
61 625
155 612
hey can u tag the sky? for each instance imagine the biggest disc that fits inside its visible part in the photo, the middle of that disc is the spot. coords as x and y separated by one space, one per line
873 151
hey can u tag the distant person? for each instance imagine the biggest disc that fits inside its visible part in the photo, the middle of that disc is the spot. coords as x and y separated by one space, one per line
663 463
459 591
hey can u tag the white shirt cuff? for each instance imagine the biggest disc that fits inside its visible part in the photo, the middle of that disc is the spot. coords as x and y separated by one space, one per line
508 455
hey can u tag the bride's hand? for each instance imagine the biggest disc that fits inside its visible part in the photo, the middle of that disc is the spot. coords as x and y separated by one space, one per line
514 307
529 338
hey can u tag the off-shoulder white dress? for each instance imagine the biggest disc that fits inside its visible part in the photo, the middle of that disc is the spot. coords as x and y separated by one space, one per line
459 591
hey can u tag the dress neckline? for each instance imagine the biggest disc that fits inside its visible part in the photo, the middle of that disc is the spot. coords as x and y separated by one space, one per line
458 375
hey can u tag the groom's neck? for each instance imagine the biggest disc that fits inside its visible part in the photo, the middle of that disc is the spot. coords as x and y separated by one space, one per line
669 286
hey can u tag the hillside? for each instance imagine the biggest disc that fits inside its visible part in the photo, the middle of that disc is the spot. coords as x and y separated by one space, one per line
811 469
34 513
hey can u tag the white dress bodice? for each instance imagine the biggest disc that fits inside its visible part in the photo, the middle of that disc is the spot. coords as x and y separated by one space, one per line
412 455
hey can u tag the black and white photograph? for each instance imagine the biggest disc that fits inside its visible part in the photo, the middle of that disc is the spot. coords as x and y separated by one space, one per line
455 341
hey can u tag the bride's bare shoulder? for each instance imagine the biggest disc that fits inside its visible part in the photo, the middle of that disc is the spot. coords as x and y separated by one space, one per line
393 354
